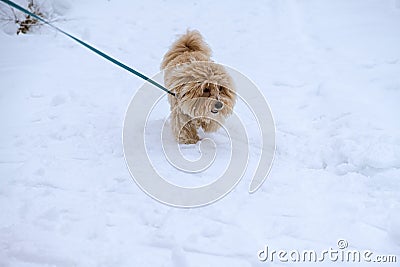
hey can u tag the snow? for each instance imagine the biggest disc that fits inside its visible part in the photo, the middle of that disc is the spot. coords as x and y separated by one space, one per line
329 70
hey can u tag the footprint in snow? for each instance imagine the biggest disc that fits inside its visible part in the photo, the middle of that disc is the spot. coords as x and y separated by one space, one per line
58 100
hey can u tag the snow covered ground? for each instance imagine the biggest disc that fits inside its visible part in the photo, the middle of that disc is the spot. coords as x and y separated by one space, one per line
330 71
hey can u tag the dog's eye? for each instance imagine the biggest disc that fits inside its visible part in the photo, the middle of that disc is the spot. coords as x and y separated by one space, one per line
206 90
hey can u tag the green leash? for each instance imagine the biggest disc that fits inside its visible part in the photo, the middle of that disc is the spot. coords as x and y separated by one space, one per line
116 62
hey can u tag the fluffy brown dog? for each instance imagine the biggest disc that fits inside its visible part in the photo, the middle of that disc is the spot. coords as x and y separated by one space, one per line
204 91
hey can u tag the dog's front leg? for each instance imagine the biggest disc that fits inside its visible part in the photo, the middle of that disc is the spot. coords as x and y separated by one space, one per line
210 126
184 129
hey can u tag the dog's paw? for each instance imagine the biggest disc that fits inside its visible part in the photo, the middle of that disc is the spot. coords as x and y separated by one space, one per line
189 141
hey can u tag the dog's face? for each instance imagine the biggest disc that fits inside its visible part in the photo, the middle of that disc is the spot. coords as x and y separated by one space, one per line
203 89
205 99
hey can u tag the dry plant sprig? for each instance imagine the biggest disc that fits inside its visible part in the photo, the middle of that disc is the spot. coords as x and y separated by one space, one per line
26 22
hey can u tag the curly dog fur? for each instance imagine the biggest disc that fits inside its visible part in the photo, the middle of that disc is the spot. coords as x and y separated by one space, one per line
198 84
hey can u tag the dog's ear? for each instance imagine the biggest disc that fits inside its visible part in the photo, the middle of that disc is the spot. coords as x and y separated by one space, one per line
179 91
180 95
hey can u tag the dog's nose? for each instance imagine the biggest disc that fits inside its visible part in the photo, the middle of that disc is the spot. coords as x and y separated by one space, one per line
219 105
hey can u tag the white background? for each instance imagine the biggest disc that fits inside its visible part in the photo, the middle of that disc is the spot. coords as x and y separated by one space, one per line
330 71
